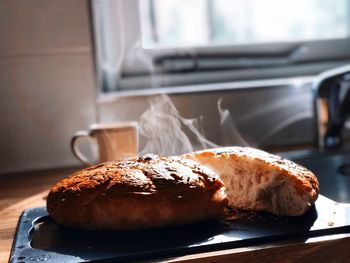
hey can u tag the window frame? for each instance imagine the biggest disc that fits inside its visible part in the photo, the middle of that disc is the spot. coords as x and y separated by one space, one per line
129 67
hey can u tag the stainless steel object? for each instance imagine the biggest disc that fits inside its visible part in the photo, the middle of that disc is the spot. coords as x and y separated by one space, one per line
332 106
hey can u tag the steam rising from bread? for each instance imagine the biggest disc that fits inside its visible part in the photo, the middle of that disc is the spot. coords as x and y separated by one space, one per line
167 133
163 128
229 130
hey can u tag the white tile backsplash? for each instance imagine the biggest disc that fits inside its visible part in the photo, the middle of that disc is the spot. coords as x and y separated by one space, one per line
43 27
47 88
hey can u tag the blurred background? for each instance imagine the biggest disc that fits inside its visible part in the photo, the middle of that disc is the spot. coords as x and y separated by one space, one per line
242 69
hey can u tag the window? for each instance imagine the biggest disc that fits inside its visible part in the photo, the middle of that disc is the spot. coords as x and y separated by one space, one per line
177 23
155 43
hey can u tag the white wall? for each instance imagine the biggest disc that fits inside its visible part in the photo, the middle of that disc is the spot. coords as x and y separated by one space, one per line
47 88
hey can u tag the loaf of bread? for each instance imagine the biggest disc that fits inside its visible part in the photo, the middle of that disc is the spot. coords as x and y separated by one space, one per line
146 192
258 181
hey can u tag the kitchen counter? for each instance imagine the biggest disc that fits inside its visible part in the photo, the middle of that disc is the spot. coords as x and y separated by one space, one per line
25 190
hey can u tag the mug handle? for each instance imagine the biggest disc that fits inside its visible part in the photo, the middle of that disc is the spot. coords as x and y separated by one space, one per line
74 146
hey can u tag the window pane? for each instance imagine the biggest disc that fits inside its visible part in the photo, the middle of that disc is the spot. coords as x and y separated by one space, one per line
178 23
174 23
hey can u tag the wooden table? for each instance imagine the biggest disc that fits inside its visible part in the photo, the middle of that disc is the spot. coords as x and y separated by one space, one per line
25 190
18 192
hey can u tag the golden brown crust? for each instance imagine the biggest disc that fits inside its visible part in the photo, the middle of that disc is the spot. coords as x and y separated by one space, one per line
261 181
137 193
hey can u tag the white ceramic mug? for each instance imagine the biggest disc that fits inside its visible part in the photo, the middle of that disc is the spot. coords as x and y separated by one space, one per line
116 141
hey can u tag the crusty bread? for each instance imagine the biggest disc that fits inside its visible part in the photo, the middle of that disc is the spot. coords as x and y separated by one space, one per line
149 191
259 181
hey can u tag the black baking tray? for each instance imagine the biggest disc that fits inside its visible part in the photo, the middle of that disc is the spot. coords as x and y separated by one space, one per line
38 238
